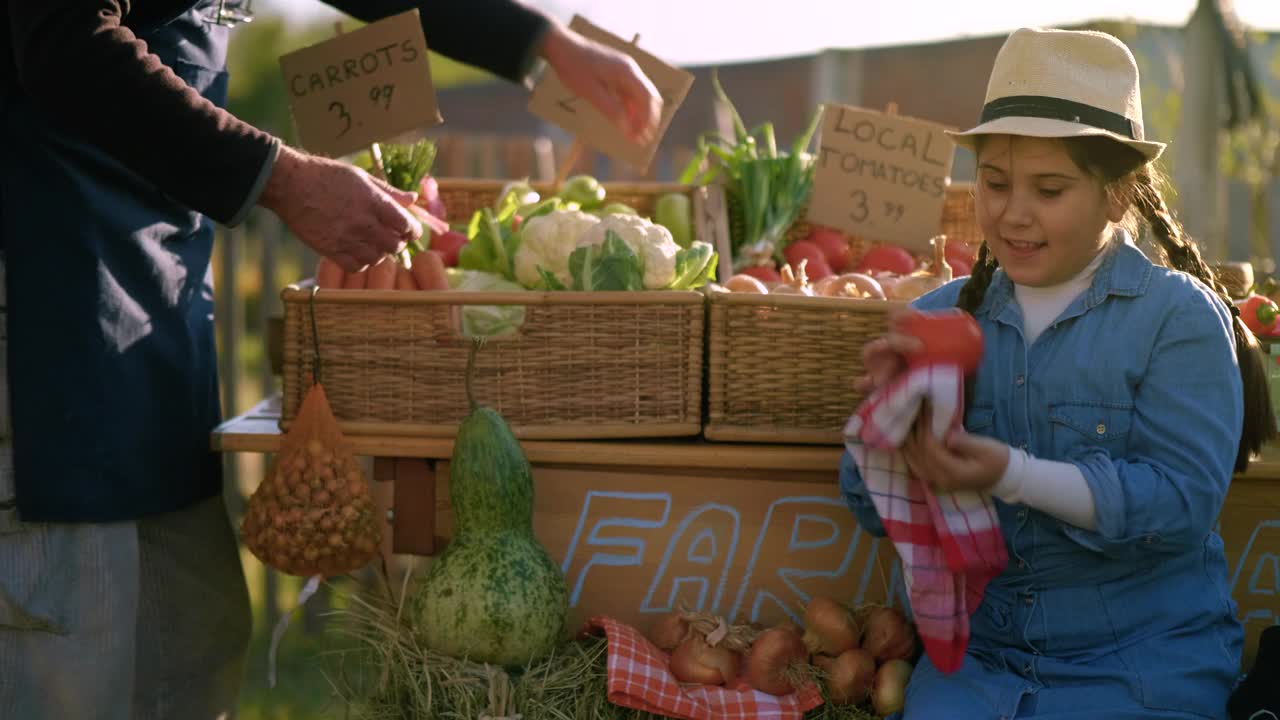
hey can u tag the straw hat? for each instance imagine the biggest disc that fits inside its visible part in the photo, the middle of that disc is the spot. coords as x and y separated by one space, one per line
1064 83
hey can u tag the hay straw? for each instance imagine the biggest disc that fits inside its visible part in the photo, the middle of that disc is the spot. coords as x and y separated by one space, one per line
390 675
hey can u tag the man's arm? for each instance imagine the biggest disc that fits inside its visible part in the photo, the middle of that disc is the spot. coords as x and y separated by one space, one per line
92 76
501 36
505 37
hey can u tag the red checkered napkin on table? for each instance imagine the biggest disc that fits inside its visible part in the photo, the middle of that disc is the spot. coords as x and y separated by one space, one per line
639 678
949 543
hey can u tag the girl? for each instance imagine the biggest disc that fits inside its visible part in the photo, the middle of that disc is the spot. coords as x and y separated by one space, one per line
1115 398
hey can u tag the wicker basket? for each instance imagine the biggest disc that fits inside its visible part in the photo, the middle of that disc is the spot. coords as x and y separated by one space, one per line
582 365
781 368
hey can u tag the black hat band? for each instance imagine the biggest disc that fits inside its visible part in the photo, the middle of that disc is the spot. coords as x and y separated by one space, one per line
1053 108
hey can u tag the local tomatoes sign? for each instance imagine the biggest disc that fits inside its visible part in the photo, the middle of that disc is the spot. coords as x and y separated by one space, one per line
361 87
882 177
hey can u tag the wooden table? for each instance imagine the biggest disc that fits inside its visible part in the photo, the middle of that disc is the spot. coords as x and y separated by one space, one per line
745 530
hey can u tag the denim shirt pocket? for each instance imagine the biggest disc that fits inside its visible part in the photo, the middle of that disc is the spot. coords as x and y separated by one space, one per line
1076 426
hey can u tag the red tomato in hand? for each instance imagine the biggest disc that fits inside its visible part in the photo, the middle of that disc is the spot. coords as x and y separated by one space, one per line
448 244
950 337
1259 314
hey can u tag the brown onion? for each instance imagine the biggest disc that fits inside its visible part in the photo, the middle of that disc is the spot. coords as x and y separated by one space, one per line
669 631
829 629
849 676
746 283
889 688
866 285
769 666
887 635
693 661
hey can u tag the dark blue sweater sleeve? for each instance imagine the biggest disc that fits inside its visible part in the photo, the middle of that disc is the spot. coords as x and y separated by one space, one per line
500 36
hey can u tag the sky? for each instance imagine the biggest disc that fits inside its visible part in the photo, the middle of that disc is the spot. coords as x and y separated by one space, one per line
693 32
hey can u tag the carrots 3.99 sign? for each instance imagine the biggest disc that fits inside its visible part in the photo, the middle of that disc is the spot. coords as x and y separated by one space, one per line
361 87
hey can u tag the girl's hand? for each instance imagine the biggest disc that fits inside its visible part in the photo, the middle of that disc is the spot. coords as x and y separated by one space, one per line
961 462
886 356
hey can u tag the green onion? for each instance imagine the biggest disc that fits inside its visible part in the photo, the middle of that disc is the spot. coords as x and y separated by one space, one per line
766 190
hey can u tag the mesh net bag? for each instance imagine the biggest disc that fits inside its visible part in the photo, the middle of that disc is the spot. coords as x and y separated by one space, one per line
313 514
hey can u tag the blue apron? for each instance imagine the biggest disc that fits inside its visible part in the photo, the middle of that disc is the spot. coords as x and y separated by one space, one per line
112 364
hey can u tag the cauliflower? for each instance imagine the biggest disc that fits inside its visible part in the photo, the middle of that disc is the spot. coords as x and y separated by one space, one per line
651 243
546 241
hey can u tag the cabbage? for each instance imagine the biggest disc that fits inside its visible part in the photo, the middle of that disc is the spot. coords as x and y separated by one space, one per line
487 320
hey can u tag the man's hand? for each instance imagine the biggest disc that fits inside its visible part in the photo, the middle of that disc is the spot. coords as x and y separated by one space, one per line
339 210
610 80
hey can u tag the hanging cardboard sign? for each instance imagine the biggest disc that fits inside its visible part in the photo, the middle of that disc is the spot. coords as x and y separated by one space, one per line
361 87
555 103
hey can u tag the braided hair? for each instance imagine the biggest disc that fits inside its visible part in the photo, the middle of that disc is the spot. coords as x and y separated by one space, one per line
1128 177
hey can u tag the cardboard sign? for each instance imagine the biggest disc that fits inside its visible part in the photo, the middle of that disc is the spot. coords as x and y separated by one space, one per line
881 177
636 545
635 542
361 87
555 103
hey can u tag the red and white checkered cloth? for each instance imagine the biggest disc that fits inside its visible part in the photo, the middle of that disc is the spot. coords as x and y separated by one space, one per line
949 543
640 678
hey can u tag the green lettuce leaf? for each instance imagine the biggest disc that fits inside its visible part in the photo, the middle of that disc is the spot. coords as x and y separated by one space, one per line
695 267
609 266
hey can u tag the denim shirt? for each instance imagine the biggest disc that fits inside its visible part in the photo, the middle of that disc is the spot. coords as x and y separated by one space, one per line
1137 384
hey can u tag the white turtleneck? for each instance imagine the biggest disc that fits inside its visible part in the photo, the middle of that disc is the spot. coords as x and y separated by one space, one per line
1056 488
1042 305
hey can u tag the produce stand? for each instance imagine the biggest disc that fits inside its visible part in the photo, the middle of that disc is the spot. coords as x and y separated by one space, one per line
745 529
675 361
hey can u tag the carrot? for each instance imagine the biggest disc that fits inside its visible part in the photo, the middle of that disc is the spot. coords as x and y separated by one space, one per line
404 279
356 280
404 276
382 275
428 270
329 274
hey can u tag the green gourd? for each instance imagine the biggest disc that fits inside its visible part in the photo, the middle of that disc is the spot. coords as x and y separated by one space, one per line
493 595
